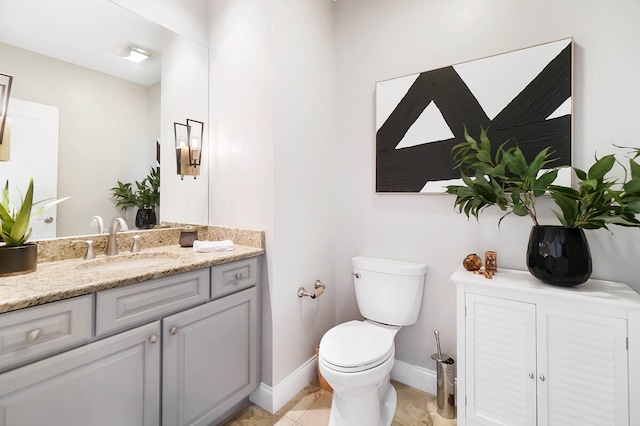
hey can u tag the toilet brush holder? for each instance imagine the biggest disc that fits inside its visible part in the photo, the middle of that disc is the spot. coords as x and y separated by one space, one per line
445 379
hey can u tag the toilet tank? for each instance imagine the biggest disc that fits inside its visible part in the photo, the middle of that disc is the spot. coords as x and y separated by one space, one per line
388 291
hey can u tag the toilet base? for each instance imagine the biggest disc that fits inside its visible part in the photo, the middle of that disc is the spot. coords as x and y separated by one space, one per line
360 409
388 405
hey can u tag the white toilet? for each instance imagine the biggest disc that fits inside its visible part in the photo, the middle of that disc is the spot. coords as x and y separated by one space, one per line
356 357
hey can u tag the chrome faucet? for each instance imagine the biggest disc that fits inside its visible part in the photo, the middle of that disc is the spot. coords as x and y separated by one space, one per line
112 245
97 221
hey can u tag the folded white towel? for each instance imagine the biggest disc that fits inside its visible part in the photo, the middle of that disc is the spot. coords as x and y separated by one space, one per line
208 246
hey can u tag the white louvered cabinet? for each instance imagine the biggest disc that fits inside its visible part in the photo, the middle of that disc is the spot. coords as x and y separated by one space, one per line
533 354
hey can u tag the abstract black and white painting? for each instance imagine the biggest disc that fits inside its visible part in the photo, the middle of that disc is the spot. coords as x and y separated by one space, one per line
524 96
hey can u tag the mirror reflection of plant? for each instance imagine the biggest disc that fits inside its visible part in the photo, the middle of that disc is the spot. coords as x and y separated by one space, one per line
505 179
16 222
145 194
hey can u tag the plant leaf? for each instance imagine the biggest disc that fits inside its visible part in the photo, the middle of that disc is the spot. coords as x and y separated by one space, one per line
542 184
582 175
515 163
569 209
632 186
43 209
635 169
21 225
601 167
537 163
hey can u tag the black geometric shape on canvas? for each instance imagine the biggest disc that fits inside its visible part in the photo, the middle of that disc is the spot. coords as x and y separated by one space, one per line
522 121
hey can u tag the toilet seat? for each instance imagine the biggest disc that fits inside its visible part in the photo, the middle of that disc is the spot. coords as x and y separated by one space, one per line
356 346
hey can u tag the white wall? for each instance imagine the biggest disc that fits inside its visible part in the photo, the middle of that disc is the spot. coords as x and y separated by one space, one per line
383 39
241 123
185 17
272 99
279 164
104 135
304 179
184 95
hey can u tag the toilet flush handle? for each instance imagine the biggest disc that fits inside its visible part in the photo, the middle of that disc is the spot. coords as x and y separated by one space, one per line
355 274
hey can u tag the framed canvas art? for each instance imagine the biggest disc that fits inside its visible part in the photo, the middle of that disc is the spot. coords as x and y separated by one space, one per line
524 97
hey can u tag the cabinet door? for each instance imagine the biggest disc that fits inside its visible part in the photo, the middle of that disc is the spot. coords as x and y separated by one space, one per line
115 381
582 369
500 361
210 359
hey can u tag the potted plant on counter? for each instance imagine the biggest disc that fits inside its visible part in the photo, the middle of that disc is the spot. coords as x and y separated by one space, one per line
17 256
145 196
556 254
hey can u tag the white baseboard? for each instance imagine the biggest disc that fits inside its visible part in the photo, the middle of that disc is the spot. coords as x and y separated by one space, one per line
263 398
271 399
415 376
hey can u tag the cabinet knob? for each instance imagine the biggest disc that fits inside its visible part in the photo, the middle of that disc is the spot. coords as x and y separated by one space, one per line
239 276
541 378
531 375
34 335
173 330
153 338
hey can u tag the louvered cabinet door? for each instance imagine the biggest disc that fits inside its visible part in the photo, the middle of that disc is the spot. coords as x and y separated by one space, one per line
582 369
500 362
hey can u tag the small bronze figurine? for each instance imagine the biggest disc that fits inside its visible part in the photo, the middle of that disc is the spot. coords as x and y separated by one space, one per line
491 261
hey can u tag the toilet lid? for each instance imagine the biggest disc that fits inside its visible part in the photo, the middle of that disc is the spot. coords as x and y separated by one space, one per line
356 346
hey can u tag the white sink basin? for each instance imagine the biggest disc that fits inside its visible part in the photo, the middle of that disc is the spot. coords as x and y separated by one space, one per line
128 261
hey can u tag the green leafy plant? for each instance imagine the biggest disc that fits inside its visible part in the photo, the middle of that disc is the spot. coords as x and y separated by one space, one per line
16 222
505 179
145 194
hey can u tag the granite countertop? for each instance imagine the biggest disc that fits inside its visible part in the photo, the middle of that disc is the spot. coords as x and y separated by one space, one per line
63 279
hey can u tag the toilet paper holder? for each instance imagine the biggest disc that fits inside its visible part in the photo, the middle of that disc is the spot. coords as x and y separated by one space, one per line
319 289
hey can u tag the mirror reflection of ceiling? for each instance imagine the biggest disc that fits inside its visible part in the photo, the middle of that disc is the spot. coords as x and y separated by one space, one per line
89 33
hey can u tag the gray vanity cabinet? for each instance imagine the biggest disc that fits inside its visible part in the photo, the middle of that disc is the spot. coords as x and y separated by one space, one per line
210 358
114 381
208 351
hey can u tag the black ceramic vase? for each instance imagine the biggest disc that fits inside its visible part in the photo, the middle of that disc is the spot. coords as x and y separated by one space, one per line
145 219
18 260
559 256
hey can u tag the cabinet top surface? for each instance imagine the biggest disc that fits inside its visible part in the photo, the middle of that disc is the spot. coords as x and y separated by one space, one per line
610 292
68 278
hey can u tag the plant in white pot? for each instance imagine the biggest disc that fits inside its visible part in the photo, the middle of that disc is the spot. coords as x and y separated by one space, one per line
556 254
17 256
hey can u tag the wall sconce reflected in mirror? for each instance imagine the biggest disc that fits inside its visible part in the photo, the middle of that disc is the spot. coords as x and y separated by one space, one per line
5 92
188 147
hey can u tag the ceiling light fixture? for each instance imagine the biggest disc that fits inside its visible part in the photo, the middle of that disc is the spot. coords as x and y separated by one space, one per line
134 54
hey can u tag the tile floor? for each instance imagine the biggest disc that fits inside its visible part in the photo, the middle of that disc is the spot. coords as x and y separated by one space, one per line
311 407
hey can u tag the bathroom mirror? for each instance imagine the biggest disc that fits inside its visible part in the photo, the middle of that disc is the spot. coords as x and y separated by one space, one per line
67 57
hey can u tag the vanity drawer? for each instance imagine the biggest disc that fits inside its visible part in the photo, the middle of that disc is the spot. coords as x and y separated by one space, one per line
42 330
231 277
125 307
